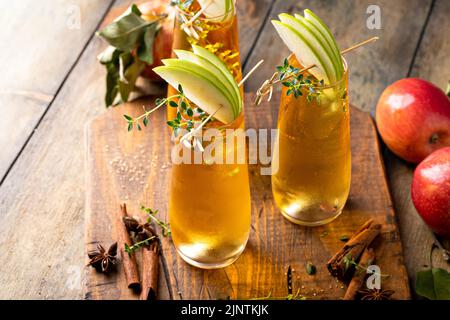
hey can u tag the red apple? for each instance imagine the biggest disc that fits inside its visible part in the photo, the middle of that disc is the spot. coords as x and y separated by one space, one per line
430 191
413 118
162 47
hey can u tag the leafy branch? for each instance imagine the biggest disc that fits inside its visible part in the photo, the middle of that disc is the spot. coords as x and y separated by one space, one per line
130 40
166 232
186 118
349 261
138 245
297 83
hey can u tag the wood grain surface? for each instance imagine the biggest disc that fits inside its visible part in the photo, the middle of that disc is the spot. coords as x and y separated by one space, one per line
135 168
429 64
42 41
42 194
45 188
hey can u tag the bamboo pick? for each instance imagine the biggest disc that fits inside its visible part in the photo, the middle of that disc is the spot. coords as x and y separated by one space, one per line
267 87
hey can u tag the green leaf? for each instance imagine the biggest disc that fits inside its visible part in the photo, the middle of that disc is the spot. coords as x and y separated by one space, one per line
433 284
145 50
131 73
135 9
344 238
130 126
111 54
128 117
310 269
112 89
173 104
145 121
125 33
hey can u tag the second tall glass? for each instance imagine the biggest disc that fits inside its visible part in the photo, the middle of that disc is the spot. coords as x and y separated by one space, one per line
312 184
217 34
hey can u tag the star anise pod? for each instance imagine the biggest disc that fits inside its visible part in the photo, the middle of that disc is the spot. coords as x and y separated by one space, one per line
102 260
140 231
376 294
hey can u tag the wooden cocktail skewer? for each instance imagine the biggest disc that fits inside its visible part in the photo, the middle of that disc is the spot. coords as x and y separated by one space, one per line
249 73
267 86
185 139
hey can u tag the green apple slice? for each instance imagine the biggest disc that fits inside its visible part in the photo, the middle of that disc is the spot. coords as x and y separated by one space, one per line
217 10
208 55
311 37
309 15
305 53
199 60
195 68
324 43
199 89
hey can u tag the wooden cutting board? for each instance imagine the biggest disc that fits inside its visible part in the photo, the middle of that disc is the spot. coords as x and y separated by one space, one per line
134 167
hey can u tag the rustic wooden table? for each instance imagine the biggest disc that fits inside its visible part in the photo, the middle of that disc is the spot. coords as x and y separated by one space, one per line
52 85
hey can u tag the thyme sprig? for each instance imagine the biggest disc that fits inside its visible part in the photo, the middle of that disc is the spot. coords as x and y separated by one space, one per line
138 245
298 84
187 114
166 232
349 261
294 79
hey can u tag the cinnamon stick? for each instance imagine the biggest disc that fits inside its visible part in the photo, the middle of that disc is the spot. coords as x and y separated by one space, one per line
338 265
128 261
150 271
367 258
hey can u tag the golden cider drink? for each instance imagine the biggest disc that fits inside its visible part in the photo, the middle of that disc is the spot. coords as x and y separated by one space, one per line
313 151
209 207
221 38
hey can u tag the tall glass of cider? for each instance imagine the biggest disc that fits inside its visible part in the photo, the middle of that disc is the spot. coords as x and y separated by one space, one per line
209 205
218 34
312 183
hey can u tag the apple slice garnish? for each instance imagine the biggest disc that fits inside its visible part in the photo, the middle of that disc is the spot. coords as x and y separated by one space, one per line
325 31
334 56
205 72
217 10
304 51
200 89
208 55
316 41
208 65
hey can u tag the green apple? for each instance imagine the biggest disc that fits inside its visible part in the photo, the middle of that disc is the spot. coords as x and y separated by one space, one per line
208 55
199 70
200 89
210 66
334 56
314 19
217 10
305 52
316 41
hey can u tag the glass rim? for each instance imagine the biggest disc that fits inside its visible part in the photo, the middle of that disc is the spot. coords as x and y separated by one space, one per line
336 83
232 10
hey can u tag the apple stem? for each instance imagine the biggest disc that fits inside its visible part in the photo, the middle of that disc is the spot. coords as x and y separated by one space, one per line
434 138
250 72
267 86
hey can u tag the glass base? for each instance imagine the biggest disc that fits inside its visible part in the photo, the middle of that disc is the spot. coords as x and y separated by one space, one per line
309 223
212 264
